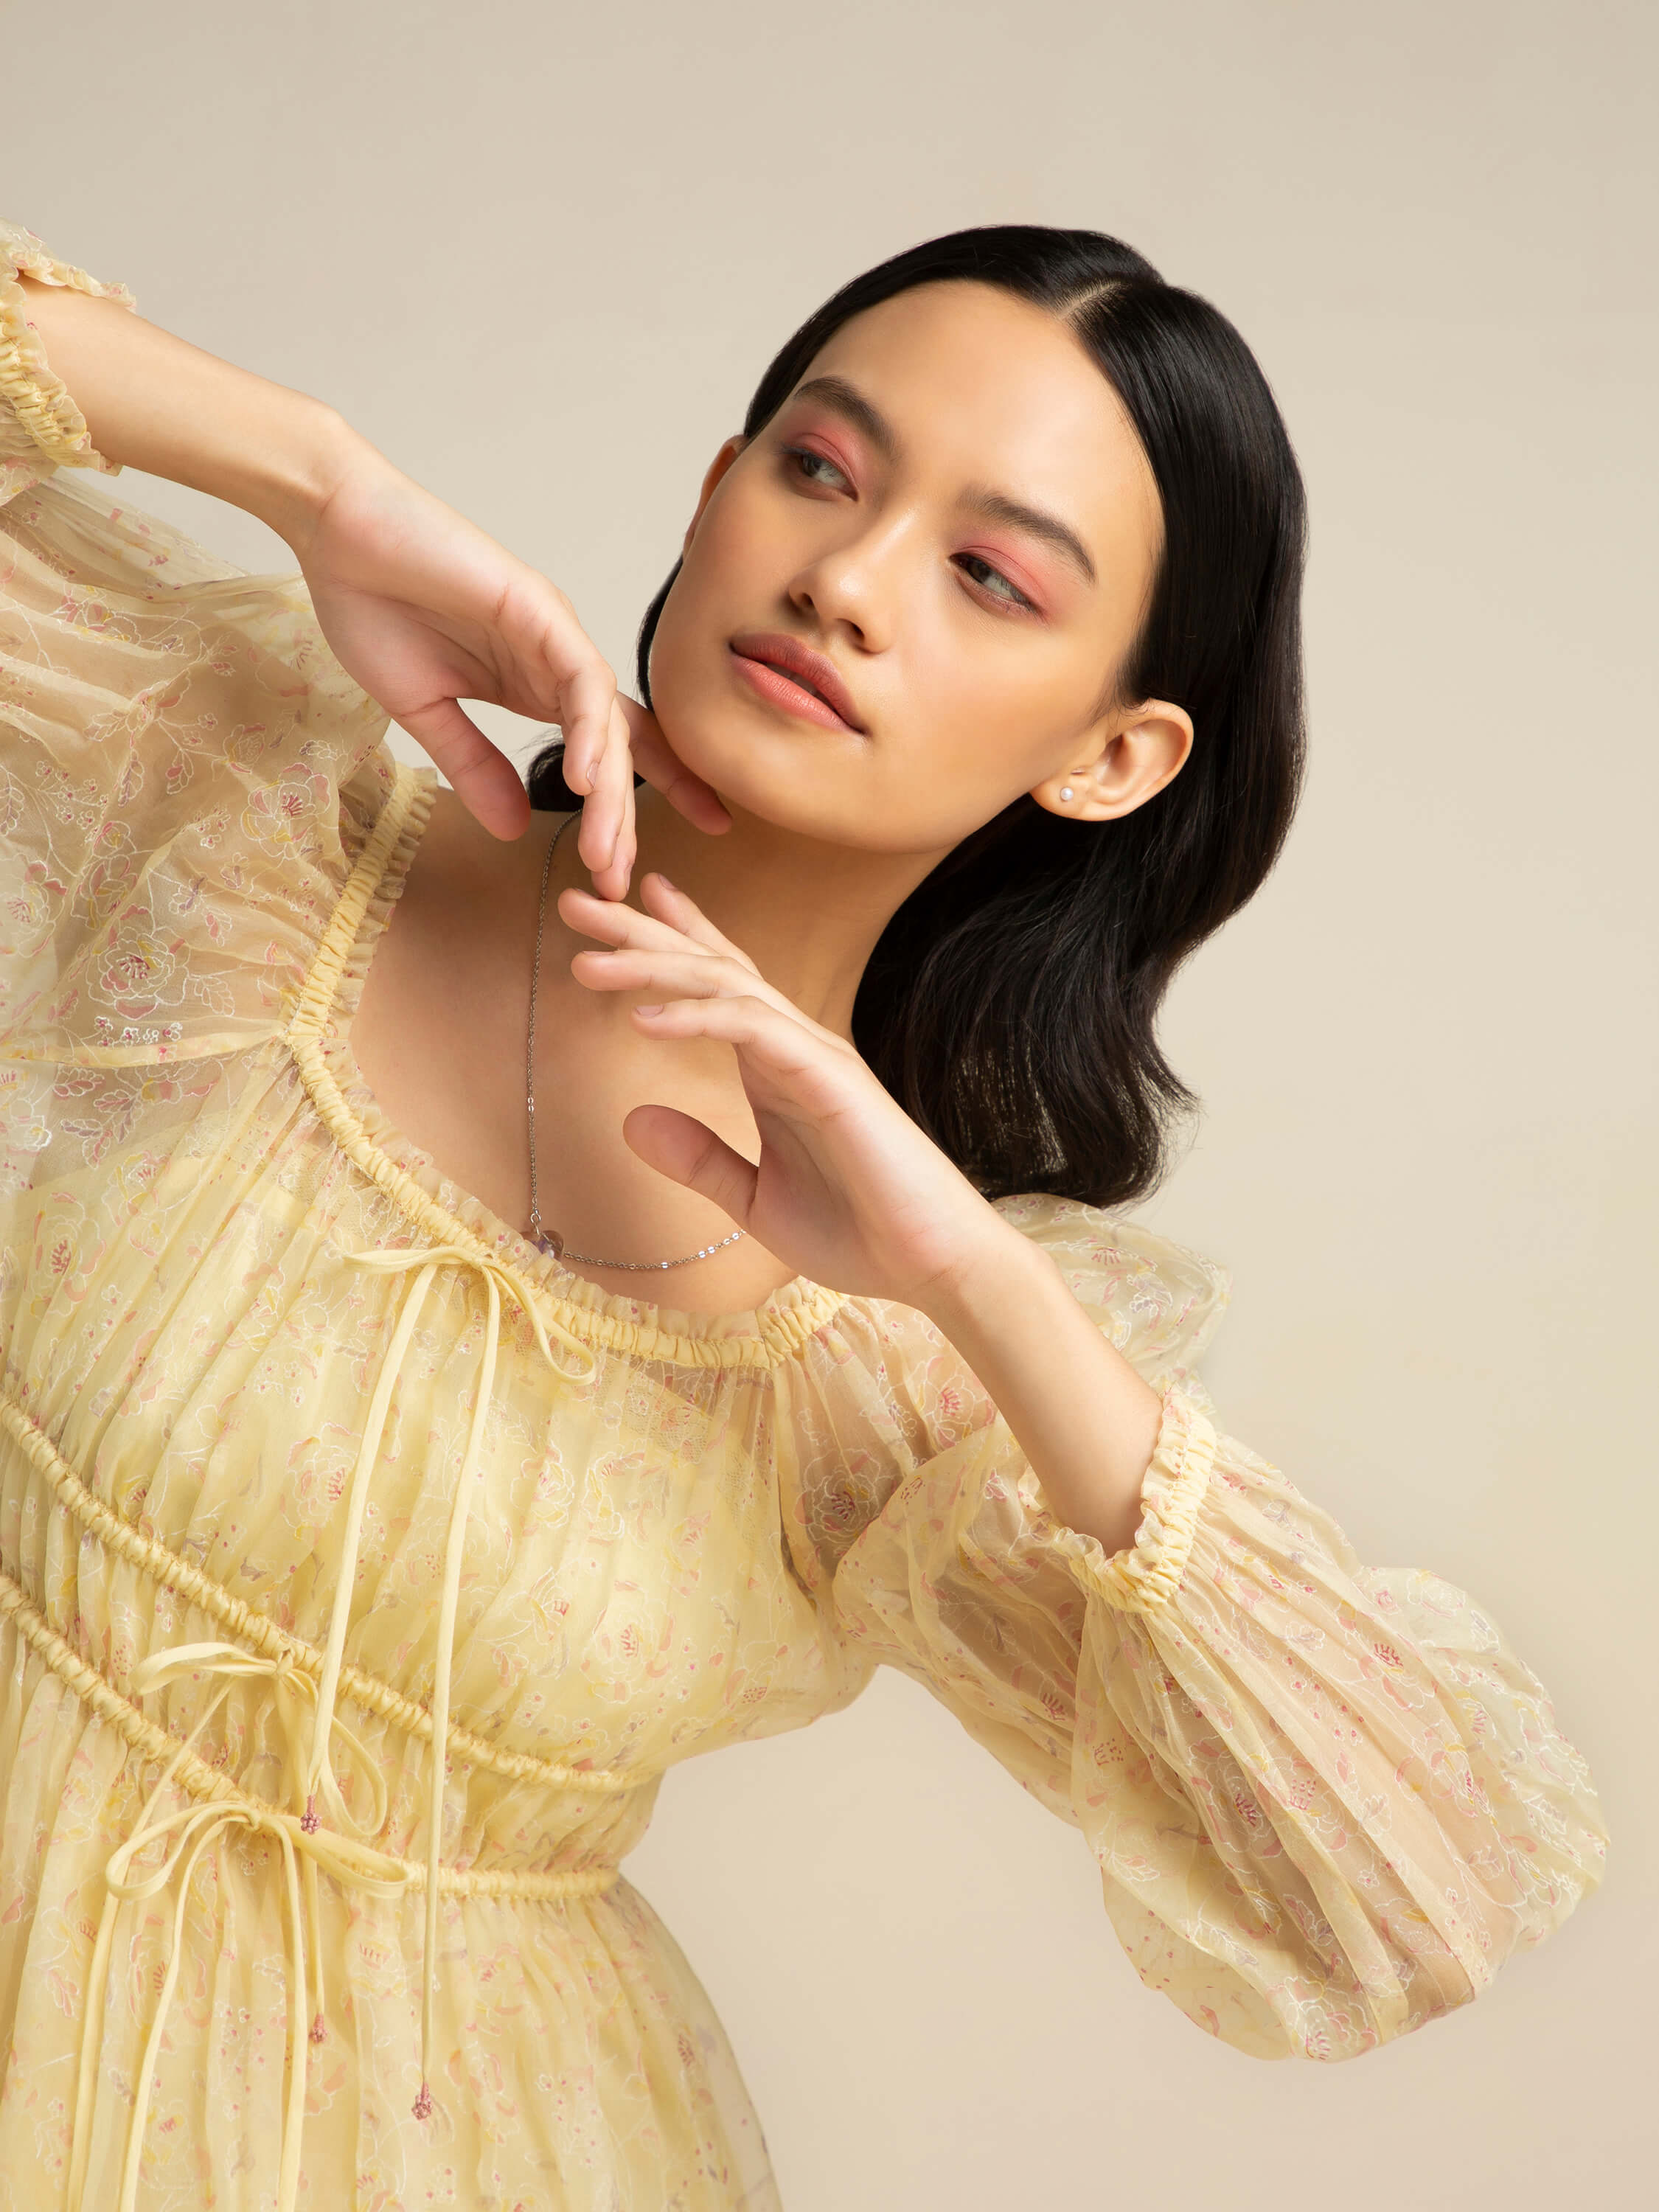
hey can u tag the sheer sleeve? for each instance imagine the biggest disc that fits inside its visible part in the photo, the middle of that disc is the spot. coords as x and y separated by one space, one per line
185 770
40 426
1327 1800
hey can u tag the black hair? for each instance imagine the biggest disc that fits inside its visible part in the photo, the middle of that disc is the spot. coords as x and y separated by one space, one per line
1010 1004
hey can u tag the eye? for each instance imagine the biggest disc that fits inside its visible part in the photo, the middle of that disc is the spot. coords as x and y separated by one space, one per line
805 454
1009 594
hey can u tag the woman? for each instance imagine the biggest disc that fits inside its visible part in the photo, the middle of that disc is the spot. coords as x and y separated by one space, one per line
371 1545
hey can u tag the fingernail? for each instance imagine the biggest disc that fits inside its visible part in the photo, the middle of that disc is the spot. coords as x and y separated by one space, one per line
664 882
647 1010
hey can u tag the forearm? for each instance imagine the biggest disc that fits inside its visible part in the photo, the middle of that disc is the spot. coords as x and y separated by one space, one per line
1085 1420
154 402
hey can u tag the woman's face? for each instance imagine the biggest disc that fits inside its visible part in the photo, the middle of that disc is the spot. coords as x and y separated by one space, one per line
954 510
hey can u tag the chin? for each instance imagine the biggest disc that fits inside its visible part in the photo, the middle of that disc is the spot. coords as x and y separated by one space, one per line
796 775
760 773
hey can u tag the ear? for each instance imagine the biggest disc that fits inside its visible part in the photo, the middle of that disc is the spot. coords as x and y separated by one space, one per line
1120 764
717 468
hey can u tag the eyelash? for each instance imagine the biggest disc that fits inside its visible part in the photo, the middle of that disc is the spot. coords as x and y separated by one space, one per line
1018 602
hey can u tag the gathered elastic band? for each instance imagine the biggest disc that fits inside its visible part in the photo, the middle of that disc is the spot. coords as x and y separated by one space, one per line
220 1805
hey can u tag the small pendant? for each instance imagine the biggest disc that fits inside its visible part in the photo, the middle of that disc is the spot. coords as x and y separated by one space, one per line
551 1241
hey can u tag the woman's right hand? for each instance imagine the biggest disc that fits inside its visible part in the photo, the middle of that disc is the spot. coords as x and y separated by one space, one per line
420 606
423 608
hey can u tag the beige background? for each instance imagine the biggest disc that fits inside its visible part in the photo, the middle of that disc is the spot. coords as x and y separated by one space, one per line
540 253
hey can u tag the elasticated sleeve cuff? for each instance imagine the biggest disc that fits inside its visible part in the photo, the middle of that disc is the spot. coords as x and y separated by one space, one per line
42 428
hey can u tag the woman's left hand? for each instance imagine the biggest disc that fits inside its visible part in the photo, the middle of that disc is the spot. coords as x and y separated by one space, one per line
847 1190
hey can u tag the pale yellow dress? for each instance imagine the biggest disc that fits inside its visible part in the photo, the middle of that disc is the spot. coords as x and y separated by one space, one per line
314 1473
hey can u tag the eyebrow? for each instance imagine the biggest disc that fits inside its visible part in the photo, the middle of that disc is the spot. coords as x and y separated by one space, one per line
847 401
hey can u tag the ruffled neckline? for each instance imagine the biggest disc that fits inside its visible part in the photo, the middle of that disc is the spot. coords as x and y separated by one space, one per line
764 1335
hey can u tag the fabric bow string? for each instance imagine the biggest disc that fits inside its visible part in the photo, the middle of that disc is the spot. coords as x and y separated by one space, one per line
427 1259
296 1694
307 1764
191 1829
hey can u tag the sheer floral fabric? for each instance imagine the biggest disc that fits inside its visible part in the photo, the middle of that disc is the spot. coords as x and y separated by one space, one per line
363 1572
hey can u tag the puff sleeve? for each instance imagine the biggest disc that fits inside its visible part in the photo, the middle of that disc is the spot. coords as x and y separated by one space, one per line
41 428
185 769
1328 1799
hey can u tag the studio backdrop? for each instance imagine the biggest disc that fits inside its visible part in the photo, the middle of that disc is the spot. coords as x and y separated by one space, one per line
540 254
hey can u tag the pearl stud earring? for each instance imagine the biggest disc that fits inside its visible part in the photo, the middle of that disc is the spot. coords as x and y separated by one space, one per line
1065 791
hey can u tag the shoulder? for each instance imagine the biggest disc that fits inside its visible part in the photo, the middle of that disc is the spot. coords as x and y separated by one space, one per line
461 873
188 778
460 926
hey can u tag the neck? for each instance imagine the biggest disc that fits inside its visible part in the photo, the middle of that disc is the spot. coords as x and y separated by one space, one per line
808 914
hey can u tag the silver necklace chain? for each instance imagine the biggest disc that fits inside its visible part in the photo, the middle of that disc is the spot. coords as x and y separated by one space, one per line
548 1240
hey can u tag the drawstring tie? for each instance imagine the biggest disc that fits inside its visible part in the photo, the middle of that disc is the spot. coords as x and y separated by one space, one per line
293 1689
308 1763
193 1828
320 1775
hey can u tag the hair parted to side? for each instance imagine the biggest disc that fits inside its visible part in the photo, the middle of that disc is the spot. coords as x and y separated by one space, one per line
1010 1004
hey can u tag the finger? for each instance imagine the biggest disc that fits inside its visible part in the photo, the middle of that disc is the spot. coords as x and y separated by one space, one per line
602 808
627 850
662 767
605 841
780 1043
552 666
681 911
602 919
593 916
484 780
691 974
588 699
688 1151
677 922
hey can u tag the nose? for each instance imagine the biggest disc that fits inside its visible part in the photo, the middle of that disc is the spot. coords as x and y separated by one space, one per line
855 584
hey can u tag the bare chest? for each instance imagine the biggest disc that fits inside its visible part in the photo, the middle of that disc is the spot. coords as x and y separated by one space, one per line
441 1035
